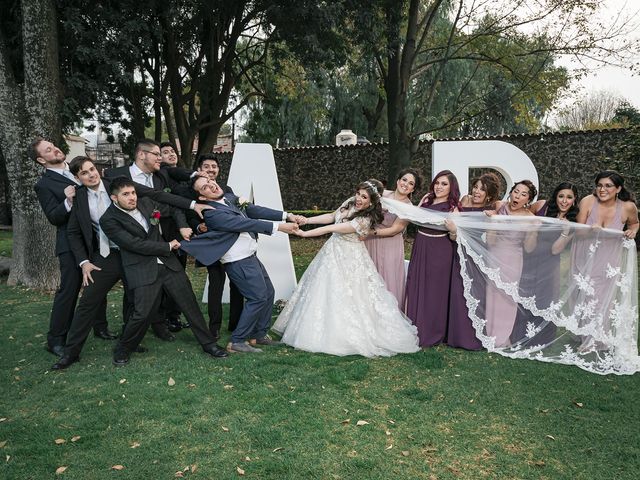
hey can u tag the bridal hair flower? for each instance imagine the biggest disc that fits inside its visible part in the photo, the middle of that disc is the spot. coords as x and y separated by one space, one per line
155 217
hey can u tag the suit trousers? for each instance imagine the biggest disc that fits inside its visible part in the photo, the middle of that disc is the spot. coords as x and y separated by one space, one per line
252 279
146 297
168 307
217 277
93 300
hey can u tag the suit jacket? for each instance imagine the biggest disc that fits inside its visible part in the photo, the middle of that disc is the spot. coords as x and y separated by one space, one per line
50 191
161 182
139 249
82 238
224 224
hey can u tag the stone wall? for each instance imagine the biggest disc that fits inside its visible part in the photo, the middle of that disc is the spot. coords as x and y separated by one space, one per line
324 176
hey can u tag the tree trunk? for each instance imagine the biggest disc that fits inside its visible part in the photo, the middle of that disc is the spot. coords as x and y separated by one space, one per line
26 111
5 198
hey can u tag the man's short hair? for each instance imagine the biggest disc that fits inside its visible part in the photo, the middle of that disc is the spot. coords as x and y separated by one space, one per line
192 184
144 144
32 149
118 183
207 156
168 144
75 165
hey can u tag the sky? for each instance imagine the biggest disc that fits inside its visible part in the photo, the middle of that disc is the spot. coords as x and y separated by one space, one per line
617 80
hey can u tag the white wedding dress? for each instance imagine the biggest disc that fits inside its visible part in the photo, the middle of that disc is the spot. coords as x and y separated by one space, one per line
341 305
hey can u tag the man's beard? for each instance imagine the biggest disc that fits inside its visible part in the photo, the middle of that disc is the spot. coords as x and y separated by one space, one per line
123 207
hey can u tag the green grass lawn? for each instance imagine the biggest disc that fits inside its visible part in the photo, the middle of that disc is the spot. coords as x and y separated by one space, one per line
6 243
438 414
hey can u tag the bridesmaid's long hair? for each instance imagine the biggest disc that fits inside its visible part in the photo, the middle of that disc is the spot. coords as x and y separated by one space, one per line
454 190
618 180
374 212
552 205
416 177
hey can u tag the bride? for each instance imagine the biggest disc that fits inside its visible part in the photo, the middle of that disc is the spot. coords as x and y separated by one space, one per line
341 305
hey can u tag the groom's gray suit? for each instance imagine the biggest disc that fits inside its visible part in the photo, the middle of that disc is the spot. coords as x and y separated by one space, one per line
224 225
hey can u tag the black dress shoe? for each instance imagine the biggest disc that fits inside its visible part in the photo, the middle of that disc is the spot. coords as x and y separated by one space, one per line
105 335
55 349
214 350
120 358
165 335
65 362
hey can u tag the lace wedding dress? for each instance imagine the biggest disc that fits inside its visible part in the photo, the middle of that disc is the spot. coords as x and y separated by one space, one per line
341 305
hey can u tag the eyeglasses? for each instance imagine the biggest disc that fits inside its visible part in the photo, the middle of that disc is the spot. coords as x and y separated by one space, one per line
606 186
157 154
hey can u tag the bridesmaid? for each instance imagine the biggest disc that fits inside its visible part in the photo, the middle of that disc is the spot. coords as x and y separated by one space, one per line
484 194
610 206
507 255
386 245
432 275
542 265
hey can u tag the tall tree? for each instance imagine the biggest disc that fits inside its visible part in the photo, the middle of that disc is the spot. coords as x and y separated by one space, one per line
30 105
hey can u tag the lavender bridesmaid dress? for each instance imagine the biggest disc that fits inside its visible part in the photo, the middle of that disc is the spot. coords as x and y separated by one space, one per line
501 310
387 254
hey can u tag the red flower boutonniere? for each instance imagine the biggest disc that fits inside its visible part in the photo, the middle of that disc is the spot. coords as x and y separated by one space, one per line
155 217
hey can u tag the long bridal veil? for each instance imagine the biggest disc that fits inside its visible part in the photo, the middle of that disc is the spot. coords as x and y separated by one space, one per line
546 289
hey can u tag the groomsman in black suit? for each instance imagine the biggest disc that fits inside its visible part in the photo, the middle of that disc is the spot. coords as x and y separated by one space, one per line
146 171
149 267
208 164
56 191
98 258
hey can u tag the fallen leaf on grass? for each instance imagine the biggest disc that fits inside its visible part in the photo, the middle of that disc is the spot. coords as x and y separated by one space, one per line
345 421
194 467
59 441
2 444
122 380
389 447
578 404
3 419
117 467
228 387
392 422
8 458
179 474
171 382
75 438
240 471
60 470
225 429
360 423
550 436
405 453
539 463
278 449
135 445
387 433
247 459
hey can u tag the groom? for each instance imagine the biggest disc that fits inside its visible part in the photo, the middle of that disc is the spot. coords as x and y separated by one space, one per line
231 238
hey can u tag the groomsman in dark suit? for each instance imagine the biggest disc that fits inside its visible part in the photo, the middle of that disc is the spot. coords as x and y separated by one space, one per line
56 191
208 164
231 239
146 171
98 258
149 267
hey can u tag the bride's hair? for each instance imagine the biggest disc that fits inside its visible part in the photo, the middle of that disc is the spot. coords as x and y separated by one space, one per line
374 188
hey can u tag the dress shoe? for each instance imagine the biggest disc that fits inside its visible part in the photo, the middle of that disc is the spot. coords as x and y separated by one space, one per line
242 347
120 358
55 349
105 335
164 335
266 340
214 350
175 325
141 349
65 362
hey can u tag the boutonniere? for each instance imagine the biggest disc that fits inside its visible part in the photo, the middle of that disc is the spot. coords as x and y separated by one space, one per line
155 217
166 189
242 204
